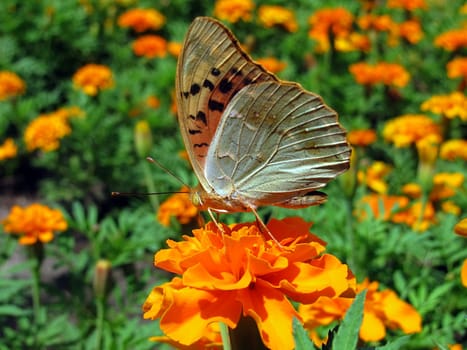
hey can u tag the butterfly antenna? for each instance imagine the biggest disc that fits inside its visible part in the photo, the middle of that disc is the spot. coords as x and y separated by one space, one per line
152 160
136 194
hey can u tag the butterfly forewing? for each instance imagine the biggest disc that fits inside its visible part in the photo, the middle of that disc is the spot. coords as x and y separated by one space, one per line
211 69
275 142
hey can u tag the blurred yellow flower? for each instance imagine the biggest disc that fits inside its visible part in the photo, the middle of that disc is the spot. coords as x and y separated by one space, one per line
8 149
390 74
141 20
33 223
271 15
446 185
353 42
46 130
174 48
329 22
373 177
450 106
427 149
92 78
409 128
150 46
233 10
271 64
464 275
412 190
450 207
461 228
409 5
452 40
457 68
179 206
362 137
10 85
454 149
382 309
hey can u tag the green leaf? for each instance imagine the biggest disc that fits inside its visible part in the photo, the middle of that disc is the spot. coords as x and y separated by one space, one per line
347 334
11 310
395 345
302 340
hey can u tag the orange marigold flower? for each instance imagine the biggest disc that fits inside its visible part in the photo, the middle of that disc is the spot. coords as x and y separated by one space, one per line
179 206
153 102
271 64
362 137
174 48
412 190
411 31
454 149
427 149
409 128
45 132
382 309
353 42
240 272
211 339
464 274
150 46
233 10
33 223
376 202
461 228
452 40
457 68
11 85
450 207
374 176
418 216
451 106
383 23
409 5
8 149
327 22
445 185
271 15
141 20
390 74
93 77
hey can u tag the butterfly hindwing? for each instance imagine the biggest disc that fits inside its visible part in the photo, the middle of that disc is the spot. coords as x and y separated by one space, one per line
211 69
276 141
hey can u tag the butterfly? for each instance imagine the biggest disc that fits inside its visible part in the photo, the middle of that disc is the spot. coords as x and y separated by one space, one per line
253 140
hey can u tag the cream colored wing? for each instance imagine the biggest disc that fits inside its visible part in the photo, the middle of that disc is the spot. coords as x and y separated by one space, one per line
275 143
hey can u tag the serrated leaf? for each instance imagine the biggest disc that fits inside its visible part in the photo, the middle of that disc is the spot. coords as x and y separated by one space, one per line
347 334
395 345
302 340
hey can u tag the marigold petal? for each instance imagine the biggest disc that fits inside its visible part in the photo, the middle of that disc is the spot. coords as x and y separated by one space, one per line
461 228
401 314
464 273
372 328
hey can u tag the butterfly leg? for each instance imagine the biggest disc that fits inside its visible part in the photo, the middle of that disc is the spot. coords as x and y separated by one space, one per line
262 226
215 221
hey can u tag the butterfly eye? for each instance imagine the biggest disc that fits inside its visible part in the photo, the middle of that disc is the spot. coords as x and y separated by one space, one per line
196 199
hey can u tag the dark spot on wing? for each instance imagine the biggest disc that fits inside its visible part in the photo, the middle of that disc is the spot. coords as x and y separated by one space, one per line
199 145
235 71
225 85
186 94
215 105
208 84
194 131
215 72
202 116
194 89
247 81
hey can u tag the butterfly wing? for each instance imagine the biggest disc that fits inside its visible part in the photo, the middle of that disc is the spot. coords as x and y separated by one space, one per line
211 69
275 143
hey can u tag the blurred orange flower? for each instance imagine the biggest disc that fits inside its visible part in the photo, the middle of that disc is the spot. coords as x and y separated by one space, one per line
461 228
457 68
92 78
45 132
240 272
409 128
383 23
8 149
141 20
409 5
353 42
412 190
445 185
454 149
452 40
464 274
33 223
11 85
179 206
150 46
362 137
153 102
377 202
382 309
271 64
174 48
411 31
450 106
329 22
271 15
418 216
373 177
233 10
390 74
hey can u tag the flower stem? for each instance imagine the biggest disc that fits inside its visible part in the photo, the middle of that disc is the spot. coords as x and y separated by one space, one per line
150 185
100 311
37 255
225 336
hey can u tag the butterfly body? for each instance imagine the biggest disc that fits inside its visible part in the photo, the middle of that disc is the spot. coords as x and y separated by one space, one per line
252 139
